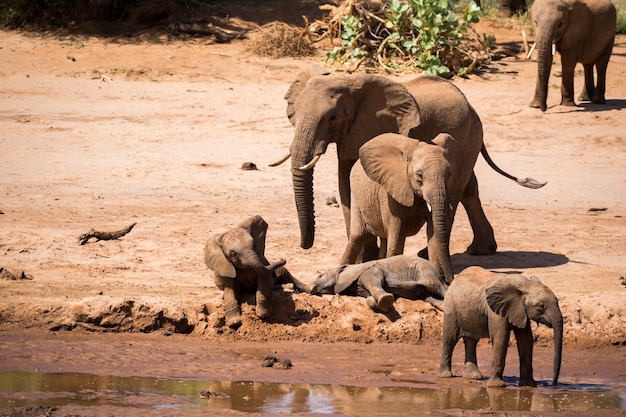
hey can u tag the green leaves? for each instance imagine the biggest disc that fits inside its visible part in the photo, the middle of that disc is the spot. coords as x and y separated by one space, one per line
416 33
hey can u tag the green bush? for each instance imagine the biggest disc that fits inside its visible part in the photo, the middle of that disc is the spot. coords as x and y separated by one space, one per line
426 34
19 13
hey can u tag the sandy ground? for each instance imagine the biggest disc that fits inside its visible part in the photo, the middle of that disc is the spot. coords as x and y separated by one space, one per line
101 134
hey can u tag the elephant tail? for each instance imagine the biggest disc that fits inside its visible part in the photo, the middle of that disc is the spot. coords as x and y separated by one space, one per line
525 182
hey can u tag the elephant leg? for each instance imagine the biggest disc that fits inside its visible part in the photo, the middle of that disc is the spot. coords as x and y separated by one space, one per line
484 242
601 66
500 335
264 302
588 87
395 237
470 368
567 81
357 240
451 337
344 167
231 307
524 338
372 279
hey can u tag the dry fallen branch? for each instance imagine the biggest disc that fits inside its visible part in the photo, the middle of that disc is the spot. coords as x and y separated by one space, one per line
83 239
279 39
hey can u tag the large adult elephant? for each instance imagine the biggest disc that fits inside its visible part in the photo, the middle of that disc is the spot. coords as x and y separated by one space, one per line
584 31
350 110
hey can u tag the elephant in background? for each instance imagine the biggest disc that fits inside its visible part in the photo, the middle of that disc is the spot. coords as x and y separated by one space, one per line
237 257
381 280
584 31
350 110
397 185
480 304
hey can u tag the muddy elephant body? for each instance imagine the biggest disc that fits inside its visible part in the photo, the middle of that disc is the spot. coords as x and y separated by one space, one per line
398 185
381 280
352 109
584 32
483 304
237 258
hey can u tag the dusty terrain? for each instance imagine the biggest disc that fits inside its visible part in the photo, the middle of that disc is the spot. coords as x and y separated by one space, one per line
103 133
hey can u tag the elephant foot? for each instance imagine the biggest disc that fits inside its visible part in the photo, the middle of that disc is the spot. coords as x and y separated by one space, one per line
384 303
234 322
482 248
566 101
445 373
599 100
496 382
537 104
527 383
263 312
470 371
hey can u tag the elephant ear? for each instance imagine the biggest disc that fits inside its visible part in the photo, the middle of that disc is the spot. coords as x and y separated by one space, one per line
257 227
298 85
383 106
505 296
215 259
384 160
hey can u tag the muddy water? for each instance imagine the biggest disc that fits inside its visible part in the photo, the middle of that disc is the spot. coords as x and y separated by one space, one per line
30 389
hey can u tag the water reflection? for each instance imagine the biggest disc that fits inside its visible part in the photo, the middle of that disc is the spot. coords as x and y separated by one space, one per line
20 389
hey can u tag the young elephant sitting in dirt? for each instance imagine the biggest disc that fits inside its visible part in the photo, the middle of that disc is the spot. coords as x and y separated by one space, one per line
383 279
237 257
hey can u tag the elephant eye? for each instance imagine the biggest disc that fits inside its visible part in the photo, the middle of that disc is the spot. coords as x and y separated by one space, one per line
419 176
233 254
541 307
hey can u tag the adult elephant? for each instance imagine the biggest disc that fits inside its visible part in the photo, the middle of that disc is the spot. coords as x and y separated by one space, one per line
483 304
396 184
584 31
350 110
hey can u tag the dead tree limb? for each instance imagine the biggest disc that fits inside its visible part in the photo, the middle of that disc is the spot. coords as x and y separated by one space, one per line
83 239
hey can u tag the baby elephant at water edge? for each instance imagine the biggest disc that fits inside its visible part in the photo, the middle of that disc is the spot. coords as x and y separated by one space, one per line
381 280
237 257
480 304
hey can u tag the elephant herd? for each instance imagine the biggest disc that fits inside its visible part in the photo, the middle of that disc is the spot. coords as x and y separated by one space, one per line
406 156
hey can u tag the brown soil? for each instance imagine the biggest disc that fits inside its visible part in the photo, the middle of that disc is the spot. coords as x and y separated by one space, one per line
102 133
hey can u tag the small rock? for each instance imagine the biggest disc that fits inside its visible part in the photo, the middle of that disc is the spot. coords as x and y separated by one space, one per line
283 364
249 166
269 361
332 201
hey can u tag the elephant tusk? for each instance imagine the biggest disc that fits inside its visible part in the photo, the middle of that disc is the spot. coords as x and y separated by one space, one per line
430 209
281 160
311 164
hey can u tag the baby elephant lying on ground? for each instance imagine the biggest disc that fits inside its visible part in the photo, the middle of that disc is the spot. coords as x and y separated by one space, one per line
380 280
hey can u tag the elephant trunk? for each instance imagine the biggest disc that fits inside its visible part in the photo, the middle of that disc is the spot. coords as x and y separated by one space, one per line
302 152
557 325
440 204
544 65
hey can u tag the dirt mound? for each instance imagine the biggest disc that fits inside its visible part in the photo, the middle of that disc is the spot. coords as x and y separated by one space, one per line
588 320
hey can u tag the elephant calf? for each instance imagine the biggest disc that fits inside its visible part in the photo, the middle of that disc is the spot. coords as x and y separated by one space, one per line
480 304
380 280
237 257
